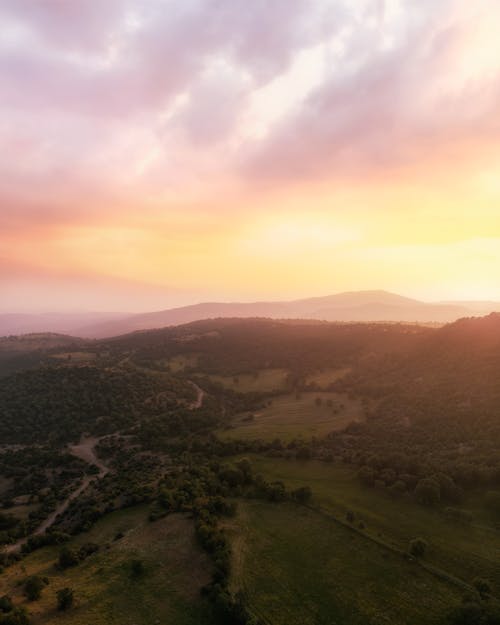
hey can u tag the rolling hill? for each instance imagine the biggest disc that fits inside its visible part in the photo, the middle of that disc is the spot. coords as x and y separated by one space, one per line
359 306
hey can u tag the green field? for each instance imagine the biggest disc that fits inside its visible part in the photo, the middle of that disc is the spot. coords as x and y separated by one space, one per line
264 380
296 567
290 417
75 356
105 591
324 378
181 361
465 552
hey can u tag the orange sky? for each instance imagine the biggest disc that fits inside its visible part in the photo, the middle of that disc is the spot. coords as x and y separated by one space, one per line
161 153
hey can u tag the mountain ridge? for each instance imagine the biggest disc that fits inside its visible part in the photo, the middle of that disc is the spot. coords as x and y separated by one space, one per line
357 306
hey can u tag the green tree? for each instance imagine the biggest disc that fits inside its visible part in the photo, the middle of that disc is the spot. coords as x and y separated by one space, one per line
417 547
65 598
33 587
428 492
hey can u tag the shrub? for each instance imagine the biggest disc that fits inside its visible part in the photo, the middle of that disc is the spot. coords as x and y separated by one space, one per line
65 599
33 587
417 547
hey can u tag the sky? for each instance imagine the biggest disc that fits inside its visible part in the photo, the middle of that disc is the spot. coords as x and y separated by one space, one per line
160 152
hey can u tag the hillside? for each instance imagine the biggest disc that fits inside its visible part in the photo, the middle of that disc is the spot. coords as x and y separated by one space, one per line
362 306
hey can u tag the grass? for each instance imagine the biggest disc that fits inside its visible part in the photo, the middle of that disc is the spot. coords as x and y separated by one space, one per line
324 378
296 567
75 356
181 361
288 417
465 552
263 380
105 591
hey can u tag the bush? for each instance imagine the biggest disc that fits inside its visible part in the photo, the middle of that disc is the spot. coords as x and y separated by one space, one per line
67 558
302 494
428 492
482 586
417 547
137 568
65 599
6 604
33 587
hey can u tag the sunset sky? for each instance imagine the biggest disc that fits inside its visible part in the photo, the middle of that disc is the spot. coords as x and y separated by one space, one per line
162 152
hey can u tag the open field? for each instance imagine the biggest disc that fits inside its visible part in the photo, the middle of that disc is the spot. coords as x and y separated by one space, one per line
75 356
264 380
181 361
105 590
290 417
324 378
463 551
297 567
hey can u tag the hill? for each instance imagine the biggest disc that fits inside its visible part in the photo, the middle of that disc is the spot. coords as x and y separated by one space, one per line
361 306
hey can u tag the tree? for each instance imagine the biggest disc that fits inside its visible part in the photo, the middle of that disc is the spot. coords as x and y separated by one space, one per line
302 494
6 604
67 558
428 492
18 616
417 547
137 568
65 598
482 586
33 587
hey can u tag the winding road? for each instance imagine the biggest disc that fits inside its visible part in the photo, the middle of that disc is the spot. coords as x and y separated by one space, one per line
85 450
198 402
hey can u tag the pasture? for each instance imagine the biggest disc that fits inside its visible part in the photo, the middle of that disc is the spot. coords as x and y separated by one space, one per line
296 567
291 416
465 552
324 378
105 589
261 381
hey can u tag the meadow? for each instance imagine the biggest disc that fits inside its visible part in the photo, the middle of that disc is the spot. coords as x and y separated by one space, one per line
261 381
291 416
463 551
105 589
297 567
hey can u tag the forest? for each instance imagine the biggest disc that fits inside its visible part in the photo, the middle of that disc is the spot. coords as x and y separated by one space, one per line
260 439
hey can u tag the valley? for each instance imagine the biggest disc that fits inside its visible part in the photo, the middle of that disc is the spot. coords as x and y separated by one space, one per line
301 472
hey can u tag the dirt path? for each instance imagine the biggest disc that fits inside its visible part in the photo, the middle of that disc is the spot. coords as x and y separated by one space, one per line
198 403
85 450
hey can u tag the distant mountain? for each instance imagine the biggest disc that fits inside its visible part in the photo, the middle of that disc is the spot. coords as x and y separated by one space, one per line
360 306
61 323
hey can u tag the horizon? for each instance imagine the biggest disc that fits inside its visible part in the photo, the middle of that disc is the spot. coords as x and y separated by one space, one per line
293 148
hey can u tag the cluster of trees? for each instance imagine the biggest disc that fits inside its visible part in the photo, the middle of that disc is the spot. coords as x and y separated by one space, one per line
58 404
209 492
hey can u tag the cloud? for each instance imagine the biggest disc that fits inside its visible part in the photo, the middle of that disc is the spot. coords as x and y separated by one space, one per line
408 97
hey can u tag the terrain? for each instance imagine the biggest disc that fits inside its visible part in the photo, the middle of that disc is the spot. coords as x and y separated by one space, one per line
253 471
357 306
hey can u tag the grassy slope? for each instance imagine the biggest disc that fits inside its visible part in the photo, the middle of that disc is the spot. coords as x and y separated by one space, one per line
297 567
289 418
105 592
465 552
264 380
326 377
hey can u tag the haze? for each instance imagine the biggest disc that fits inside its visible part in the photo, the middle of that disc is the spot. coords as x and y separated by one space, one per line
160 153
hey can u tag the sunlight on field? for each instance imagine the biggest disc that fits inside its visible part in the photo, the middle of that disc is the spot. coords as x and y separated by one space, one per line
297 416
261 381
324 378
181 361
75 356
